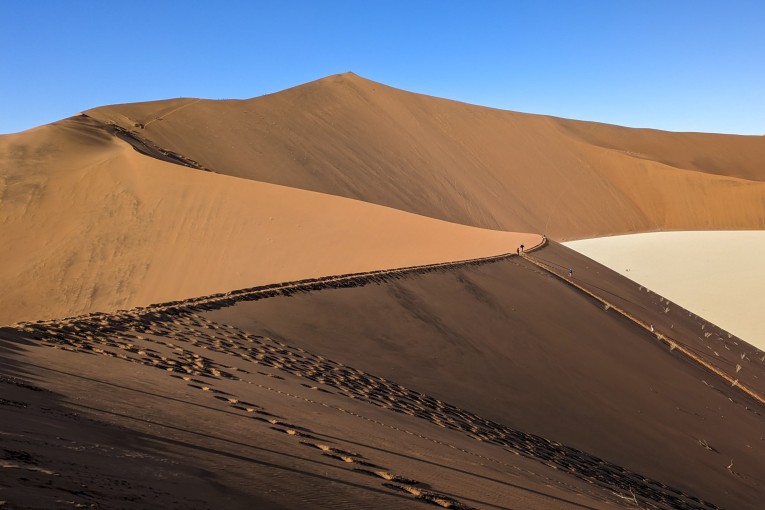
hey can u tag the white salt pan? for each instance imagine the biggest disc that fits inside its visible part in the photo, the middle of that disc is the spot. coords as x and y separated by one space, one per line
717 275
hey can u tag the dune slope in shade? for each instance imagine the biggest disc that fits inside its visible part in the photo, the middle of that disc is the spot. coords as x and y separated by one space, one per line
348 136
519 347
250 417
90 224
718 275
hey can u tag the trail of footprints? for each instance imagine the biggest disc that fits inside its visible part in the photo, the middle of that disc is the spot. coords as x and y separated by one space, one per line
173 333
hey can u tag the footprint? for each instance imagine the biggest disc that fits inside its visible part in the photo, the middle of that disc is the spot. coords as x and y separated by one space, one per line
388 476
329 449
293 432
431 497
349 459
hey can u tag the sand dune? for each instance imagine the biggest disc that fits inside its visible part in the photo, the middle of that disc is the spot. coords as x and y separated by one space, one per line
379 392
725 155
296 360
99 226
548 359
352 137
344 136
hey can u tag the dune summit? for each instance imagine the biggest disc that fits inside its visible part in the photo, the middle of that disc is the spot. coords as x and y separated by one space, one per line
314 299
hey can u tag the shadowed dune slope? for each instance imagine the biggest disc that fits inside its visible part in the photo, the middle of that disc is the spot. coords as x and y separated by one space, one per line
88 224
162 401
348 136
516 345
491 384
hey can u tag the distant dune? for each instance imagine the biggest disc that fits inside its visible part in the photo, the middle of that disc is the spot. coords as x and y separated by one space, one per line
348 136
142 223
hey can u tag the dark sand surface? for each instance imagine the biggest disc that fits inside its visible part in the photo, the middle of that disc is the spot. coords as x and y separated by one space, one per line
384 395
524 349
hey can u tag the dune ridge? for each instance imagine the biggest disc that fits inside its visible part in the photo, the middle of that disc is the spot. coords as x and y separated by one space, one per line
661 337
102 227
225 299
549 358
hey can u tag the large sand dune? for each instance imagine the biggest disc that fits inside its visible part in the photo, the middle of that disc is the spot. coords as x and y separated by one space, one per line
140 224
89 224
503 382
348 136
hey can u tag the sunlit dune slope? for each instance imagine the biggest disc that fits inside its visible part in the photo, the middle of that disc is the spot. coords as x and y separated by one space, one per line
504 383
348 136
518 346
87 224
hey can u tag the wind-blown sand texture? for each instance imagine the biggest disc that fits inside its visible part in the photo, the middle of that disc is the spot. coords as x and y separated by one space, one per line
718 275
322 337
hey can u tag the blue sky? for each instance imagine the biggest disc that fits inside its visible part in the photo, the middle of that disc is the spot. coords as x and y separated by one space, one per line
668 64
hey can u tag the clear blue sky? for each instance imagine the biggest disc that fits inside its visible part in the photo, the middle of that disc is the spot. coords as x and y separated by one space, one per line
680 65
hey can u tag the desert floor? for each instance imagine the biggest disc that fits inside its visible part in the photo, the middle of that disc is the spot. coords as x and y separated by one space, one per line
716 274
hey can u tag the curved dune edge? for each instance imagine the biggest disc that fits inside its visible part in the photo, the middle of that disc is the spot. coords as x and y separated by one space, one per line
100 227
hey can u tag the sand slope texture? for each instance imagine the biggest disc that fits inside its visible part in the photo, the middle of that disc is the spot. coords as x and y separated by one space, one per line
89 224
348 136
488 385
